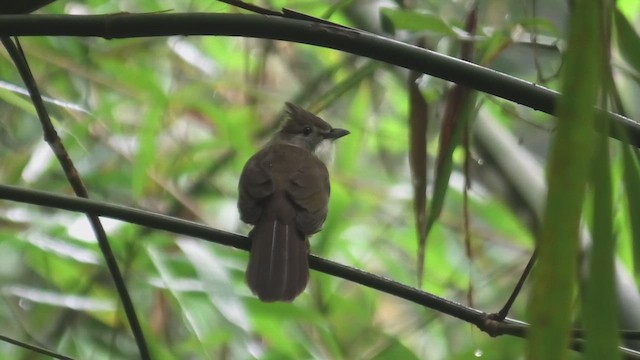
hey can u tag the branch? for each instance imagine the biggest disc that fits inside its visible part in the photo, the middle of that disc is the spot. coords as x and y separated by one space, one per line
482 320
34 348
271 27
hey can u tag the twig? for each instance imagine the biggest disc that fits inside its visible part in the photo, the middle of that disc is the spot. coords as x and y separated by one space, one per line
502 314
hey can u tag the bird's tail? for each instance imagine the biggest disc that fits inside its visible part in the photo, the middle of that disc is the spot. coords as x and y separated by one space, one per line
278 267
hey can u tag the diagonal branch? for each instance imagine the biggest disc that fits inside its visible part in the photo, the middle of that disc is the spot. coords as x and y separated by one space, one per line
354 41
34 348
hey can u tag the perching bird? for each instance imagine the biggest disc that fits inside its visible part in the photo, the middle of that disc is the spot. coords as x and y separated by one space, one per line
284 193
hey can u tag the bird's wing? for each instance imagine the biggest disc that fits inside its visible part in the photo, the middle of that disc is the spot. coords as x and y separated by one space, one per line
255 185
309 191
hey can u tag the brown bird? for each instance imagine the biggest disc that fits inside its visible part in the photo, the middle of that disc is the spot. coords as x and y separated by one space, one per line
284 193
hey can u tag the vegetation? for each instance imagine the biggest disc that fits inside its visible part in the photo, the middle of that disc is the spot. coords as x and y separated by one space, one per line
439 187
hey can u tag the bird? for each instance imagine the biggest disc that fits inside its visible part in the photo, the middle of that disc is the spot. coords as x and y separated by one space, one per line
284 193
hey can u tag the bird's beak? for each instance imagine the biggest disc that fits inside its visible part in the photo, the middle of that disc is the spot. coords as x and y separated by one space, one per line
336 134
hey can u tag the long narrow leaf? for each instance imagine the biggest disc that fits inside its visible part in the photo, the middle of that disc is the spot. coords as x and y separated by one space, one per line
628 41
458 110
418 121
600 321
147 149
445 161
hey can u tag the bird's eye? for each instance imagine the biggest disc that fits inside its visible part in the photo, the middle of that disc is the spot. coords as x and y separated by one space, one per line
307 131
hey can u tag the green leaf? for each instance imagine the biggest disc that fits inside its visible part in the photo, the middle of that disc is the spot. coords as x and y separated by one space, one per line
396 350
631 175
600 302
418 120
628 41
349 83
413 21
216 281
445 163
17 100
147 150
540 26
191 309
335 7
493 46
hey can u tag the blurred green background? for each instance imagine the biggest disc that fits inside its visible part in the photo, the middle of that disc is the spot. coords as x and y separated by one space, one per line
166 124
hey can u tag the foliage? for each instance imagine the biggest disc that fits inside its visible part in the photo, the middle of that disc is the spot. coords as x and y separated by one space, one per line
166 124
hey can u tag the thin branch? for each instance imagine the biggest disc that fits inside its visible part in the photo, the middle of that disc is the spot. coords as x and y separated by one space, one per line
52 138
162 222
34 348
502 314
354 41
